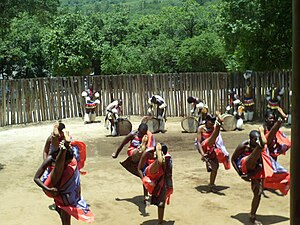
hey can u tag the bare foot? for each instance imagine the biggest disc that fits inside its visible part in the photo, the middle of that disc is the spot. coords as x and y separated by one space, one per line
253 220
159 154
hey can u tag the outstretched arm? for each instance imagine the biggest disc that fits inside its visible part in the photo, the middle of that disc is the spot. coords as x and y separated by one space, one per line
128 138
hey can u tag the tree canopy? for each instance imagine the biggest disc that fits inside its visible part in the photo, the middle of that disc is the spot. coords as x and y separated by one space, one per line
79 37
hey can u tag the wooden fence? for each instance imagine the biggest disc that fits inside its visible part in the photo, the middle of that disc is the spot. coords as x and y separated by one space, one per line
34 100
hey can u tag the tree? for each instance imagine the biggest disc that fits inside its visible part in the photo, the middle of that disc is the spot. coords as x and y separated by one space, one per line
258 34
21 52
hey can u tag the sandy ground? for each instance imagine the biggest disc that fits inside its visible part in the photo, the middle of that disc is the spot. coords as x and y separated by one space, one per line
114 195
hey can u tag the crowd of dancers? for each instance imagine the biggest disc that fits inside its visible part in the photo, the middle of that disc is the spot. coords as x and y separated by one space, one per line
255 160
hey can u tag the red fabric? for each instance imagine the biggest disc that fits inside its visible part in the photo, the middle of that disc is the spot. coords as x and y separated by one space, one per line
149 180
266 171
222 158
215 152
279 181
74 211
150 142
82 152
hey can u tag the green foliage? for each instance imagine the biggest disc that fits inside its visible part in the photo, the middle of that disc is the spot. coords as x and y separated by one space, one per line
143 36
258 34
22 50
202 53
70 45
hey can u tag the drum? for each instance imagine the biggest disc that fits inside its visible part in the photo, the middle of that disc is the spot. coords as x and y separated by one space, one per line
229 122
124 126
152 123
189 124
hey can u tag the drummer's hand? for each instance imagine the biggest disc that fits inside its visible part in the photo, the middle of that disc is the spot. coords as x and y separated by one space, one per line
114 155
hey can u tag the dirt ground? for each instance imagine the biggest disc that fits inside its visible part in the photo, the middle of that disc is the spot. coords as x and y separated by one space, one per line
114 195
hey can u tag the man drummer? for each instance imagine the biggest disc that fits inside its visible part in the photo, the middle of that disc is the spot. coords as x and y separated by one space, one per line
273 97
248 97
158 104
91 101
209 144
113 111
199 108
235 108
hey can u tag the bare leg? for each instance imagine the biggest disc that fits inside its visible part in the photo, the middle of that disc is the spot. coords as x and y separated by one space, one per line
65 218
58 170
160 211
215 166
213 137
146 196
256 186
55 136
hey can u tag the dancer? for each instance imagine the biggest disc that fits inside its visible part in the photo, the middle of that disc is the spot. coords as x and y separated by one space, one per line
63 184
155 170
209 144
253 163
278 143
139 141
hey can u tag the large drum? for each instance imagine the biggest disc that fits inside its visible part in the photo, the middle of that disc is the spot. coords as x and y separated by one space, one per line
229 122
189 124
124 126
152 123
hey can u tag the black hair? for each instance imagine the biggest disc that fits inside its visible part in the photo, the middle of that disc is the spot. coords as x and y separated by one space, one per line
143 126
210 118
69 154
153 99
61 126
254 134
164 148
190 99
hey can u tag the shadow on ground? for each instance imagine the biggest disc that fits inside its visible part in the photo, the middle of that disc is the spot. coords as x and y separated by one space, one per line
138 201
206 189
155 222
265 219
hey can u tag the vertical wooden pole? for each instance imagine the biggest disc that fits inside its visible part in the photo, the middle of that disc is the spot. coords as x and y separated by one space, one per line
295 153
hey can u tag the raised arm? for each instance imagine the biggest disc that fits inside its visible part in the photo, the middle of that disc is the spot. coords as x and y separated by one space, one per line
37 177
272 133
46 148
